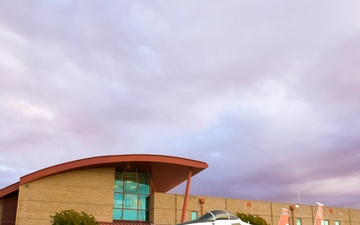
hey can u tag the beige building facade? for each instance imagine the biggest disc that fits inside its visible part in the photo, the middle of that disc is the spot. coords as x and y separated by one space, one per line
99 186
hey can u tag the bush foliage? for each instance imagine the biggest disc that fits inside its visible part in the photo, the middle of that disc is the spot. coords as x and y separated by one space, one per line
72 217
252 219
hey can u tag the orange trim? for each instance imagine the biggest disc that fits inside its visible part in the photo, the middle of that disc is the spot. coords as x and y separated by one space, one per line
110 160
186 196
9 189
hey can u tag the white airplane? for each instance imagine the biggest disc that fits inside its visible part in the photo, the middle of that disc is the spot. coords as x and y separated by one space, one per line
216 217
284 218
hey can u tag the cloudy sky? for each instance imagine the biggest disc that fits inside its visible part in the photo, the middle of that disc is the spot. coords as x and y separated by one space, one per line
266 92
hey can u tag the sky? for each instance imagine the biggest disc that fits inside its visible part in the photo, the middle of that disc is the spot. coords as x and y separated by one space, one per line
265 92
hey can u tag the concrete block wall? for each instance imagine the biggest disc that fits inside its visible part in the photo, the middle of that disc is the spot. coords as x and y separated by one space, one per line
343 215
163 208
248 206
90 190
167 209
355 216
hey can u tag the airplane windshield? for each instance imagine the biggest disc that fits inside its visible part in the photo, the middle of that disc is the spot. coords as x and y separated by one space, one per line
217 215
207 217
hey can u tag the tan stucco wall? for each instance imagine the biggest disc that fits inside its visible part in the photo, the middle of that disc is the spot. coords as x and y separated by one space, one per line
162 208
355 216
167 209
90 190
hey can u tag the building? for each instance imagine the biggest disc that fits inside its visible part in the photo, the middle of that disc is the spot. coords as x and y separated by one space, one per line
131 189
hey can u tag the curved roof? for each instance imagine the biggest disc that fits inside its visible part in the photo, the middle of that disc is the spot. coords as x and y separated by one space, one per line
166 171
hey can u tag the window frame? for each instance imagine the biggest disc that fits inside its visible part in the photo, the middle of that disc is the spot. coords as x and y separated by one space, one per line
131 196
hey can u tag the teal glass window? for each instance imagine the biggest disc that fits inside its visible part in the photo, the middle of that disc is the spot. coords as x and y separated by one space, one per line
142 202
118 200
130 214
142 215
193 215
131 186
118 213
144 188
131 194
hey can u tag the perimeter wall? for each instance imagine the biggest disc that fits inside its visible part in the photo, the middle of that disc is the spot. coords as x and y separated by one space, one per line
166 209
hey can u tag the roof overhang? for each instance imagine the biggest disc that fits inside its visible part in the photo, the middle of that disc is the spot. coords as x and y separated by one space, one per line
166 171
9 189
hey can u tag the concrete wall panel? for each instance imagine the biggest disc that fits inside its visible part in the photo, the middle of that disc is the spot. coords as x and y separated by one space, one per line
90 190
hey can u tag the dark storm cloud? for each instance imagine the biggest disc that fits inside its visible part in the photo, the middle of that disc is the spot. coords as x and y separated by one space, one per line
264 92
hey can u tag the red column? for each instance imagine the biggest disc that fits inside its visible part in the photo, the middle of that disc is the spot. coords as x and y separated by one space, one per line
186 195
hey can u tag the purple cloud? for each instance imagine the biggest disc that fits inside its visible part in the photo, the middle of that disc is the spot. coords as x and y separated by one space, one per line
265 93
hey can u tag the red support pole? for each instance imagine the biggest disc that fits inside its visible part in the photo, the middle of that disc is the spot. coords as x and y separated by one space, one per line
186 195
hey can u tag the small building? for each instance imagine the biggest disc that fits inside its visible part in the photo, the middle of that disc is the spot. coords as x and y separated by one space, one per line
131 189
111 188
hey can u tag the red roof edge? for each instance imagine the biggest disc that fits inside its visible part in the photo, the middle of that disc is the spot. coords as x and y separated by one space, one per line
9 189
108 159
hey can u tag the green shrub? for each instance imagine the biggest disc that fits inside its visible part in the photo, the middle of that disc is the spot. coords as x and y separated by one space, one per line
252 219
71 217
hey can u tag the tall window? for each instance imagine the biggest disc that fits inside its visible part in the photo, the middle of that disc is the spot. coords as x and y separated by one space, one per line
337 222
298 221
193 215
131 192
326 222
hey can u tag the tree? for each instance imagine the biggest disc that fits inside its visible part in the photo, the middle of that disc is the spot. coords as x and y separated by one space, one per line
71 217
252 219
